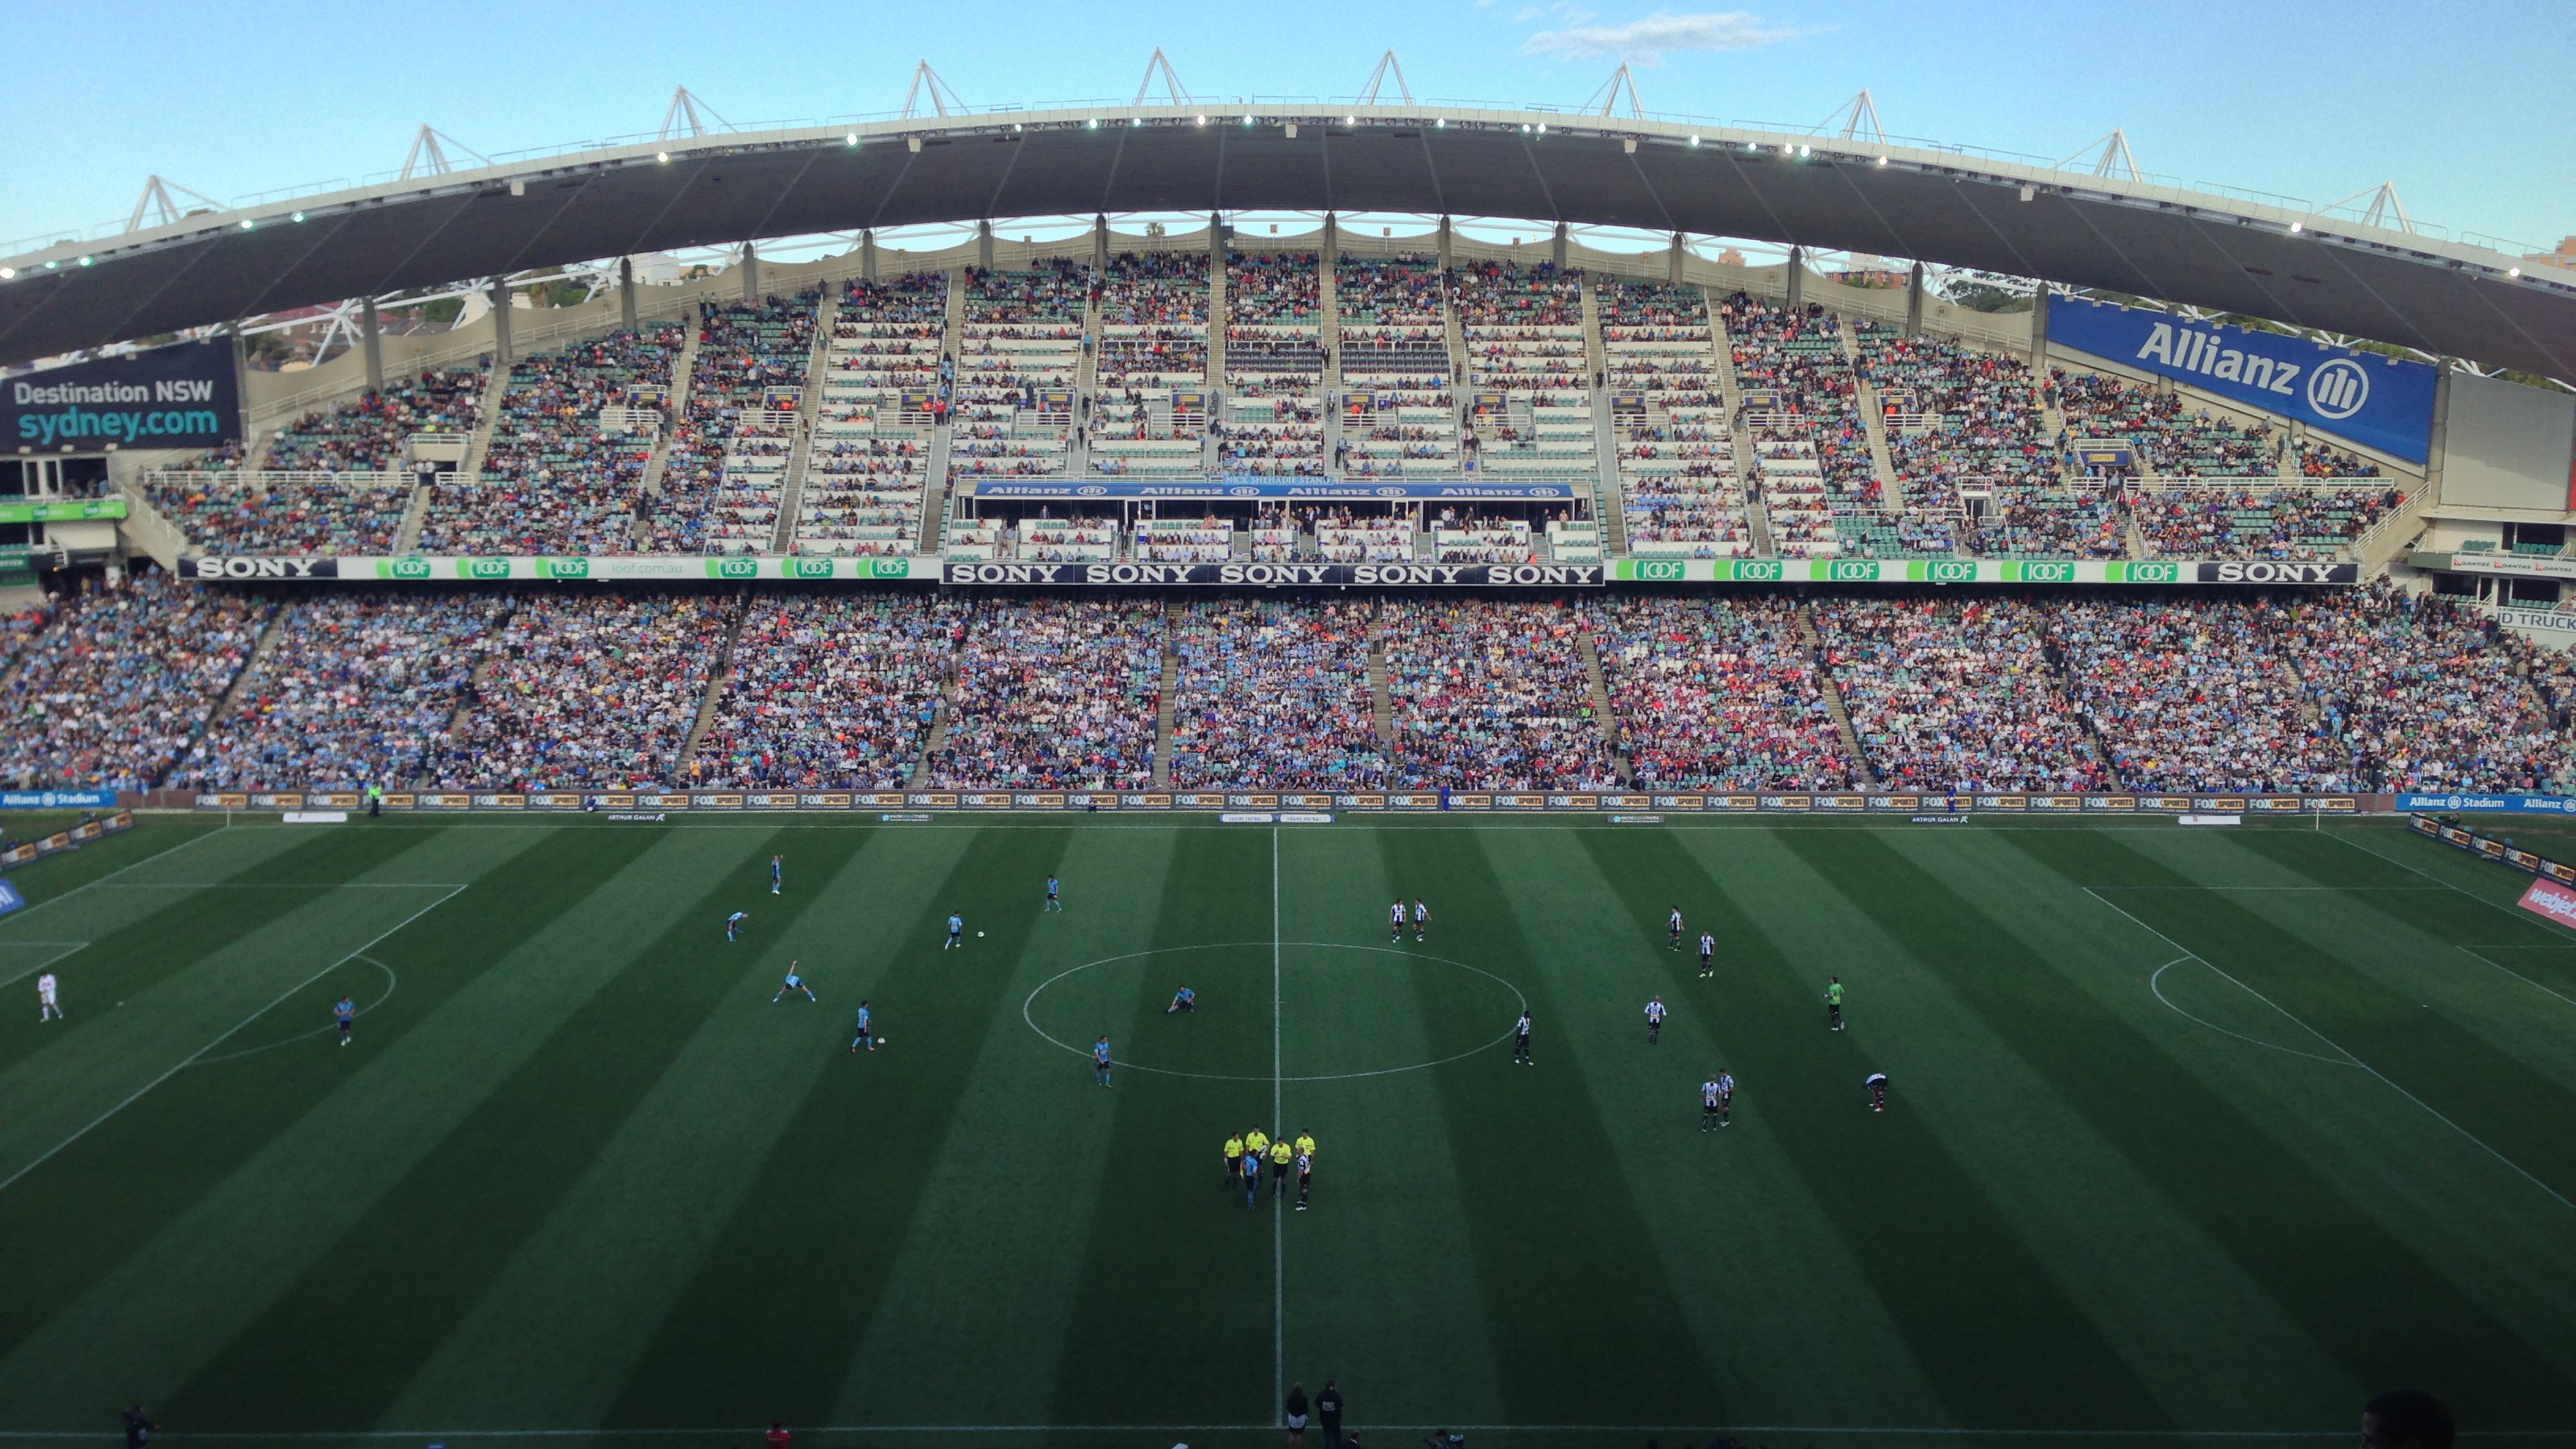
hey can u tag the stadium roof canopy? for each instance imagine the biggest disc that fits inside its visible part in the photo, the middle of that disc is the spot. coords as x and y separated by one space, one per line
2196 248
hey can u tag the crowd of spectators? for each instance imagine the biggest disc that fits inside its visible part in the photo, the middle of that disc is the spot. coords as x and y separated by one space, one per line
1055 694
556 478
367 436
1717 693
1956 694
1491 694
2423 694
112 691
585 689
2274 522
229 513
2167 439
722 488
2199 694
1274 695
352 693
829 691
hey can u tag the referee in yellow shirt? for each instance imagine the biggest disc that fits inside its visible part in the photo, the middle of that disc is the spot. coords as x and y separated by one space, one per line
1281 1154
1233 1161
1257 1142
1306 1143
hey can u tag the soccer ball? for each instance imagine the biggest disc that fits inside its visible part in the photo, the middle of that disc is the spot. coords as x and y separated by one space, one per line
979 935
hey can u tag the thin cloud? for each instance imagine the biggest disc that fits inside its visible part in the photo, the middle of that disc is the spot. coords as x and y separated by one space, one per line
1647 41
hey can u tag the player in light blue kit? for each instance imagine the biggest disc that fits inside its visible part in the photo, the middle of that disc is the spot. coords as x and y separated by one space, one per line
956 932
795 983
867 1036
1100 1061
1054 901
733 925
777 874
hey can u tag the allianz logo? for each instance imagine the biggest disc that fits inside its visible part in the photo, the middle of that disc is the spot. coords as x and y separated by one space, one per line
1092 490
1244 490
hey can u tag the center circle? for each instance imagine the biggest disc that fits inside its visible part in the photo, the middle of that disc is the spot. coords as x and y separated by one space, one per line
1344 1010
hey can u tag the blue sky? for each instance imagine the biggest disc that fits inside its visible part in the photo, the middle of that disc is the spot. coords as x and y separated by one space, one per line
2470 105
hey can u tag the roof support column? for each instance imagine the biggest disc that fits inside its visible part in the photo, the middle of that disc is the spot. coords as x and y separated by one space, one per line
1914 301
1446 232
1673 262
2039 334
1333 239
501 325
371 340
1797 276
1556 248
750 273
1099 241
626 293
867 254
984 245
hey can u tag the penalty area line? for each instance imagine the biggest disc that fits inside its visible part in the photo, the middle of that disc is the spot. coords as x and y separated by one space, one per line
229 1032
2526 1173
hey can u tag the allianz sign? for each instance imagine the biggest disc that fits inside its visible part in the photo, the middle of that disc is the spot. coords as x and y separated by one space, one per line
2379 402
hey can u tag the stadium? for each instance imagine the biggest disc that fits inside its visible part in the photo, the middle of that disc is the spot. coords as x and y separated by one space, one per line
2040 692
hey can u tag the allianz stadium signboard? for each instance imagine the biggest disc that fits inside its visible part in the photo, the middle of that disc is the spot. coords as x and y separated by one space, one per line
1980 571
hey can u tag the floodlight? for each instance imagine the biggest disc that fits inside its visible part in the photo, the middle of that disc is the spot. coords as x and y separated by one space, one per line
248 224
84 261
8 274
852 138
662 156
1694 140
2513 271
2296 228
299 216
1882 160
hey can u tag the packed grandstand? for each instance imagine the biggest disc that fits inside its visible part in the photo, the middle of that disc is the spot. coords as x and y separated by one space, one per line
1195 407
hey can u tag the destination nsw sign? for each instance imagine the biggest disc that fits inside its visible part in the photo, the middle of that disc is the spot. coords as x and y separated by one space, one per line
185 396
1272 575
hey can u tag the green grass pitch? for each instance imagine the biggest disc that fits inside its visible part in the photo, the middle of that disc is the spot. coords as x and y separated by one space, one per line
2193 1133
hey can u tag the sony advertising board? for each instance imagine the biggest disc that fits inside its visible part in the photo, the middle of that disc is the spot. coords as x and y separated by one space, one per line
182 396
1282 575
1247 485
2379 402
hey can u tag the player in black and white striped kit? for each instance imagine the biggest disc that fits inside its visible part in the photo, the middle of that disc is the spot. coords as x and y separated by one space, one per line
1395 920
1708 1104
1654 1019
1676 924
1520 1040
1707 953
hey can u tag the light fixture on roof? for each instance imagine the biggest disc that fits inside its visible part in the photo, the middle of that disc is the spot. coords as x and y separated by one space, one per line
84 261
1542 128
2513 271
1806 150
851 139
1882 160
1093 123
1247 120
248 224
1694 140
1788 150
662 156
49 266
2296 228
1202 120
1350 120
8 274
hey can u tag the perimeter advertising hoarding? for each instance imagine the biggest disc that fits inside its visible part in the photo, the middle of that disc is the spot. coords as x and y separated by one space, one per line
2379 402
183 396
1277 575
61 510
1446 799
1979 571
443 569
1249 485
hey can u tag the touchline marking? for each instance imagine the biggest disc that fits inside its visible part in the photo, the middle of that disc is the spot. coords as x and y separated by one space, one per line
120 870
191 1060
2158 975
2516 975
2329 1041
1942 1431
2514 911
1278 1219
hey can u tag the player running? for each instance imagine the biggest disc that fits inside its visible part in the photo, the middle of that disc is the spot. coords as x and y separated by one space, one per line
797 983
1100 1060
956 932
1421 920
1183 1000
777 874
1707 954
1054 902
1395 920
1833 1003
48 1007
1877 1084
1708 1106
1676 924
1654 1020
867 1036
345 1011
1520 1040
1281 1154
733 925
